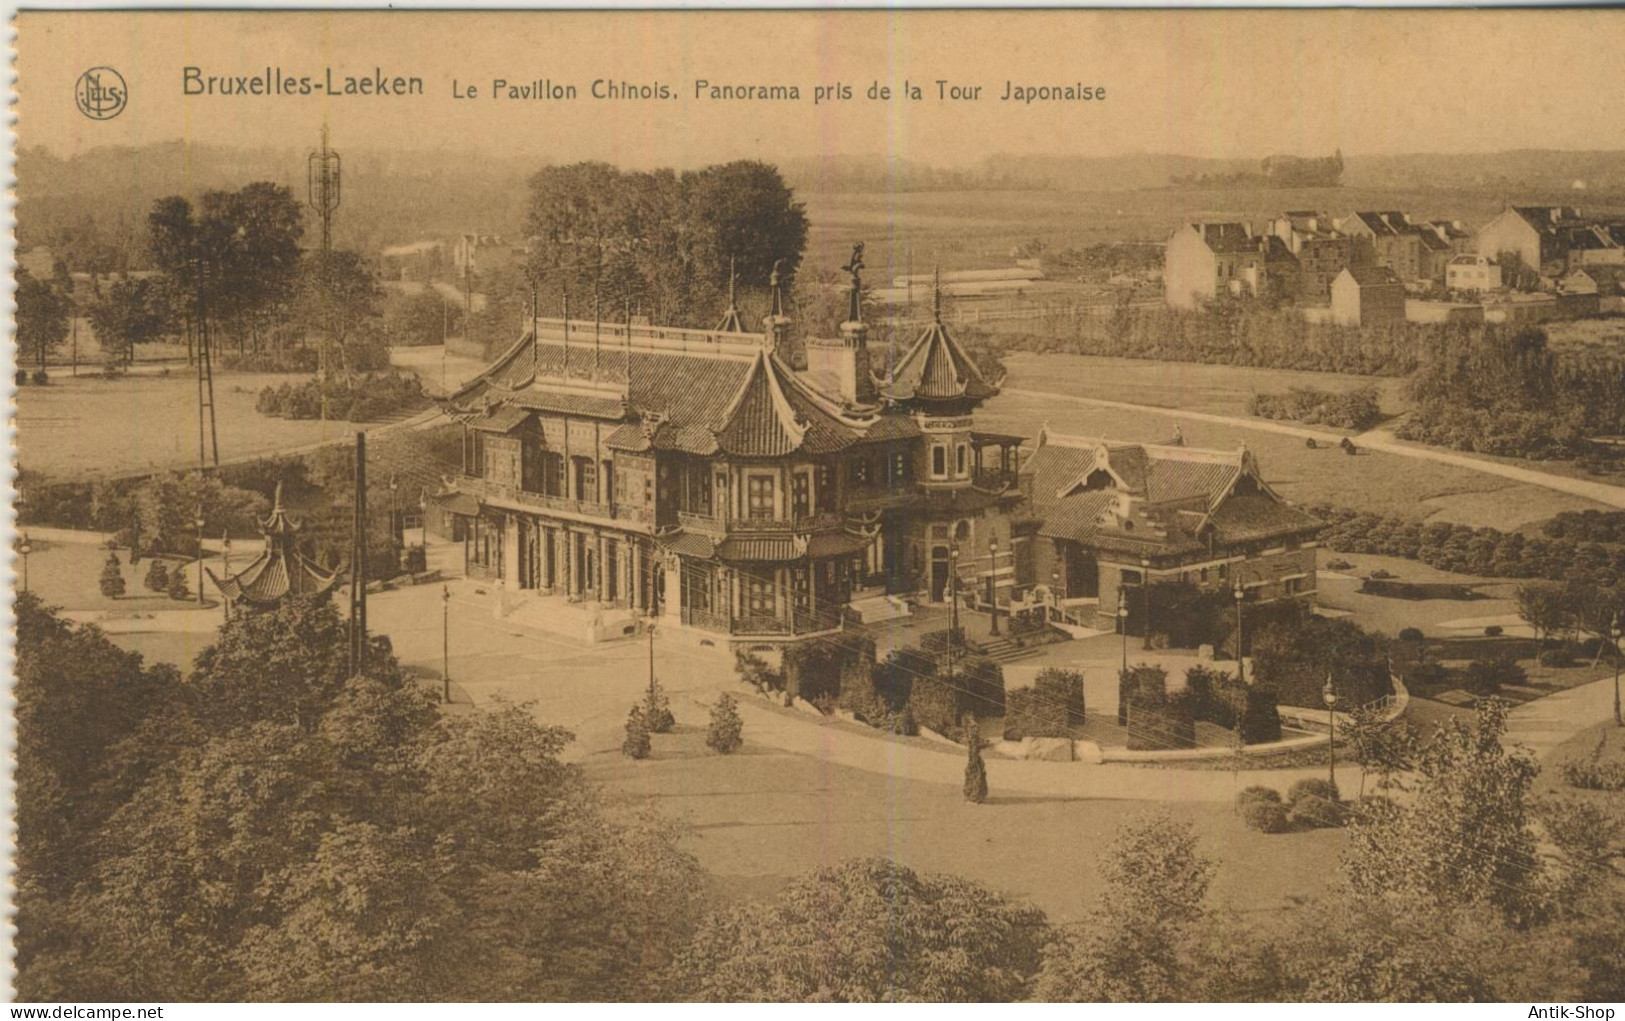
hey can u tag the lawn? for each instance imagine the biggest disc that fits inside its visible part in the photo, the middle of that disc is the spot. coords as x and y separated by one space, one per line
1215 389
79 427
1604 335
68 574
761 817
1610 737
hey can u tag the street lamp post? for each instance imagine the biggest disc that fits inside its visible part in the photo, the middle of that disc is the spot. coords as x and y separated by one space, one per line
445 639
225 567
992 591
1055 593
1145 593
199 524
1122 628
953 600
1613 632
24 548
1241 662
1329 694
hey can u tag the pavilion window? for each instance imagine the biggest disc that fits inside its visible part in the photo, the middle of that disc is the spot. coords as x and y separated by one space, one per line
760 497
939 461
586 480
760 596
801 494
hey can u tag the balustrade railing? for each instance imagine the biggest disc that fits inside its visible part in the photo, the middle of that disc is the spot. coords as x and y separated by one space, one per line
542 501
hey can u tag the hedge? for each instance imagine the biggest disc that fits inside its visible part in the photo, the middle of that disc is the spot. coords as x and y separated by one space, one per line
1219 698
1052 707
1355 409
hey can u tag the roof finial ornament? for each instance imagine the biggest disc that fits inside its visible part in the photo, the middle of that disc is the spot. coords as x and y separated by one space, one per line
936 293
855 267
775 284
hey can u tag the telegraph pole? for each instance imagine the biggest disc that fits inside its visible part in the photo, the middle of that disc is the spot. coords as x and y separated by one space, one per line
358 562
322 180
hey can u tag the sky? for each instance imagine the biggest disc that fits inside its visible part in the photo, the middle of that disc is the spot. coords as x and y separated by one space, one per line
1232 84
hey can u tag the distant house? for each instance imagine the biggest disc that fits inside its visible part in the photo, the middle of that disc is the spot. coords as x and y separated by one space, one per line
1455 233
1604 283
38 262
416 261
1204 260
1385 238
1475 273
1433 254
1322 251
1552 239
475 255
1368 296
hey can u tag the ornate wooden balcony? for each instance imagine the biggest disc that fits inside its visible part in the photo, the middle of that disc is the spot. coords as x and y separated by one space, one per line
513 495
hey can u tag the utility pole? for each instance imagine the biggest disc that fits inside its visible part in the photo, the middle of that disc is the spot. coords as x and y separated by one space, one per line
322 180
358 562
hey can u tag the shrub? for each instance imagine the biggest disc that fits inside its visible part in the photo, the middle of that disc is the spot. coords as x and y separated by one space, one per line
1557 658
41 377
1064 689
983 681
1249 795
812 669
1493 631
1315 811
157 578
1427 673
936 705
1312 787
753 670
1411 634
1592 773
1488 676
939 641
975 768
1265 816
178 588
657 710
21 379
637 744
112 579
894 677
1260 720
726 732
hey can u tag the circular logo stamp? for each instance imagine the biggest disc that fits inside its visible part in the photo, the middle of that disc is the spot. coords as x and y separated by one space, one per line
101 93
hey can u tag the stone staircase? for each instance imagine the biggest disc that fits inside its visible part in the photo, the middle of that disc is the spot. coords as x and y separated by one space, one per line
874 609
1003 650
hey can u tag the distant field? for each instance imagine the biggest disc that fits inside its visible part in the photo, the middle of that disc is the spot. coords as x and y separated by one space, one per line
1598 336
1218 389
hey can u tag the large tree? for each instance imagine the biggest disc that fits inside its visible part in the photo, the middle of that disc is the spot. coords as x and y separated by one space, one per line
131 312
42 318
868 930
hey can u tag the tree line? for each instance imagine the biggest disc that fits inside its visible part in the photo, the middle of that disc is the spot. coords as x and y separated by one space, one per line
269 827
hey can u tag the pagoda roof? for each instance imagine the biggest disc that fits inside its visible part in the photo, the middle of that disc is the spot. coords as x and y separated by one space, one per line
937 368
280 570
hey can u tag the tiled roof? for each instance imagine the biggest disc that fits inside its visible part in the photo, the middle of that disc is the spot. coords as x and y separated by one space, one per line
1246 517
458 503
689 544
1180 490
1374 276
500 419
1227 237
937 368
835 544
692 392
755 549
280 570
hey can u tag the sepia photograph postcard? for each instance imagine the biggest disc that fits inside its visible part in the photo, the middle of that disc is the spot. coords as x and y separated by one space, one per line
825 505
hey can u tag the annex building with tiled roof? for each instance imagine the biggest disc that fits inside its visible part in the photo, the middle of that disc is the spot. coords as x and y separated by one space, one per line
1109 517
755 488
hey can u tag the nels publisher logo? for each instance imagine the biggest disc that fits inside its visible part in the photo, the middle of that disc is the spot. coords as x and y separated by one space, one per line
101 93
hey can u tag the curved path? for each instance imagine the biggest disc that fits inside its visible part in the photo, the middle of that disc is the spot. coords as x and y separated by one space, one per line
1380 439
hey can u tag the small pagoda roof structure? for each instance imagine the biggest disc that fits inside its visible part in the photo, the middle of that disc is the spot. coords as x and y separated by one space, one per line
280 570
